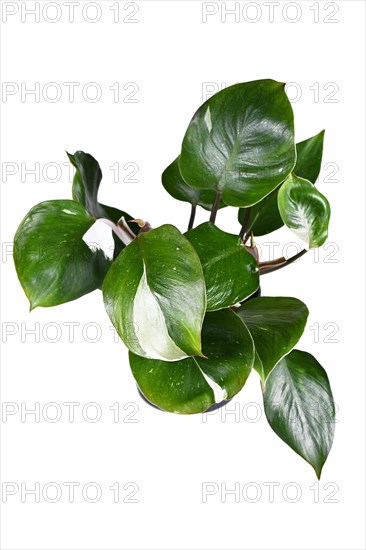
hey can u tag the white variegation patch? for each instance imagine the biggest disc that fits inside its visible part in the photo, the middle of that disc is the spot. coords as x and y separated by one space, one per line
219 393
208 120
301 223
151 330
68 211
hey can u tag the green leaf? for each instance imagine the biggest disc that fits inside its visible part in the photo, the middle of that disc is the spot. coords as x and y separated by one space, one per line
154 294
231 273
264 216
299 406
304 210
241 142
276 325
87 178
309 157
193 384
53 263
175 185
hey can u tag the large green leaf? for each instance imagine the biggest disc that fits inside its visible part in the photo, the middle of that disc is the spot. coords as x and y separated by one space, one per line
53 263
231 273
299 407
264 216
276 325
155 296
304 210
176 186
193 384
240 142
87 179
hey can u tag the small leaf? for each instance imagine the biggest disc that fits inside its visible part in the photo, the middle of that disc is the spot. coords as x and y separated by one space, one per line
193 384
309 157
231 273
299 406
276 325
53 263
264 216
241 142
154 294
304 210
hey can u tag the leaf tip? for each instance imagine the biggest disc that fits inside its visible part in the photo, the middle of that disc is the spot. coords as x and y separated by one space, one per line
318 470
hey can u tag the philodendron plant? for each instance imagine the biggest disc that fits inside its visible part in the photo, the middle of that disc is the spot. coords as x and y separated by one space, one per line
188 305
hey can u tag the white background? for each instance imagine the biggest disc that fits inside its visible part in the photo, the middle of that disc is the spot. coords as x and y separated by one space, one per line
170 53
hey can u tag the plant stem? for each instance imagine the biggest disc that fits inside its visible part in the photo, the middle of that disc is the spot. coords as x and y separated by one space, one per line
193 215
119 231
215 206
122 224
244 226
268 267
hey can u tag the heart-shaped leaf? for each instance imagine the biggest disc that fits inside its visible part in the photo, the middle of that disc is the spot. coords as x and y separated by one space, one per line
176 186
193 384
240 142
264 216
299 406
304 210
155 296
276 325
231 273
87 179
53 263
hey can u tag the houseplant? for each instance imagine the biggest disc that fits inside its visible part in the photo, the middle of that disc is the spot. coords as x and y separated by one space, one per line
182 302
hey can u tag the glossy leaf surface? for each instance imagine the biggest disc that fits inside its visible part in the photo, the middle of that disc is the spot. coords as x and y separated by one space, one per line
53 263
276 325
193 384
240 142
304 210
299 407
231 273
154 294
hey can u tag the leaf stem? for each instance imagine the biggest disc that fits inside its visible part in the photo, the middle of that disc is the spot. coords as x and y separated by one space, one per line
274 265
215 206
244 227
122 224
193 215
119 231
